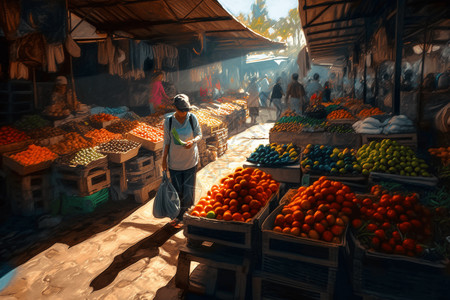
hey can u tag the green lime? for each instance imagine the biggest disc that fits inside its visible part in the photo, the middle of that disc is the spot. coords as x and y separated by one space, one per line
211 215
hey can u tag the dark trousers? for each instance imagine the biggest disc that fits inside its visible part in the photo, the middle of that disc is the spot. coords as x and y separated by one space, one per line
184 184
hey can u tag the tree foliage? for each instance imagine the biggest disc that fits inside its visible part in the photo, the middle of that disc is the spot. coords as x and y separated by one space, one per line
287 29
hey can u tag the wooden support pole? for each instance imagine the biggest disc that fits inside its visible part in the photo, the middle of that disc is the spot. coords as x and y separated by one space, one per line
400 18
424 51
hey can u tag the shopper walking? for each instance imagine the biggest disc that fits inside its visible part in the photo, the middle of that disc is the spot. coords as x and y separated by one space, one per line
295 95
314 87
253 100
157 93
264 91
277 93
182 160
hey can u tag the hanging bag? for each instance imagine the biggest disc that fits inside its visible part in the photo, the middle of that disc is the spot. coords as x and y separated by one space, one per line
167 202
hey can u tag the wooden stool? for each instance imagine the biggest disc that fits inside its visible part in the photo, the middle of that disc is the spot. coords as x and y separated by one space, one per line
217 257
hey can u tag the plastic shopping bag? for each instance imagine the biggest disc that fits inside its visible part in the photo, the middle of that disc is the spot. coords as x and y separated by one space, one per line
167 203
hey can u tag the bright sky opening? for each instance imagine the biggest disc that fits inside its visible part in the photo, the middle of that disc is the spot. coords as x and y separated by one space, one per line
276 8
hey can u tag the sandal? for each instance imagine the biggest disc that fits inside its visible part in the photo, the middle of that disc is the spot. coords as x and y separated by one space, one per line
175 223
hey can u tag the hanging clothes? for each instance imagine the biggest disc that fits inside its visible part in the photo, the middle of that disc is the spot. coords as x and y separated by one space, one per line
167 54
72 47
9 18
303 62
55 56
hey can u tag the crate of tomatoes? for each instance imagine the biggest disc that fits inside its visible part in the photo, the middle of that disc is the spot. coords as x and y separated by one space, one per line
233 210
150 137
393 249
303 238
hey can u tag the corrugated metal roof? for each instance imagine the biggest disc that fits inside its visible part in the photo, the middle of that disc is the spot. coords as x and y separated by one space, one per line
173 22
334 28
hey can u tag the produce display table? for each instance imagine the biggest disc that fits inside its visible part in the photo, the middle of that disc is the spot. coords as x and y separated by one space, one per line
288 173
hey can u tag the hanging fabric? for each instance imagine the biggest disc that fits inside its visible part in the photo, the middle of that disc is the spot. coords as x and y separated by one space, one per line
9 18
72 47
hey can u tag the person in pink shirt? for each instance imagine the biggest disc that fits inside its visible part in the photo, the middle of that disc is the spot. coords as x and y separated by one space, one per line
157 93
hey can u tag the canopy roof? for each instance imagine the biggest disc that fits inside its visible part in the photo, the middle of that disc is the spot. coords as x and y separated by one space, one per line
334 28
173 22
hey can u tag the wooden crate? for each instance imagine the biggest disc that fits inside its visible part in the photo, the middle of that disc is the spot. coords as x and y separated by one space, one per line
103 124
269 286
15 146
228 233
24 170
289 173
152 146
142 195
298 248
428 182
99 164
82 185
29 195
218 258
119 184
405 139
120 157
396 277
141 164
140 178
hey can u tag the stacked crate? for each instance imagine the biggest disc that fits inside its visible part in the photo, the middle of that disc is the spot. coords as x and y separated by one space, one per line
219 141
144 174
85 180
299 266
30 194
223 246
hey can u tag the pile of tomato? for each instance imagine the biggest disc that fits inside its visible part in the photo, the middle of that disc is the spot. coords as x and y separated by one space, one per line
238 197
9 135
148 132
320 211
394 224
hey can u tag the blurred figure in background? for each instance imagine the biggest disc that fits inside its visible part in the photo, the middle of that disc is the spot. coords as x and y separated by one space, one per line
253 100
295 95
157 93
313 87
277 94
264 90
326 93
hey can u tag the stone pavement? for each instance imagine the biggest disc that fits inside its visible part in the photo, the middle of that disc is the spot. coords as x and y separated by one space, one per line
134 259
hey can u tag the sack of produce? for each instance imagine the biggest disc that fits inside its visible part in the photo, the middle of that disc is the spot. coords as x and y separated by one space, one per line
167 202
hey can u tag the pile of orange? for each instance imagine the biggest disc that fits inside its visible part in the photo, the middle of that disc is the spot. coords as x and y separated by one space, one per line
442 153
340 114
34 155
238 197
102 117
100 136
148 132
368 112
72 142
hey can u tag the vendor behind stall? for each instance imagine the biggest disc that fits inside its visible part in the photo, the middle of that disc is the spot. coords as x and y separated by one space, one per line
63 99
157 93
